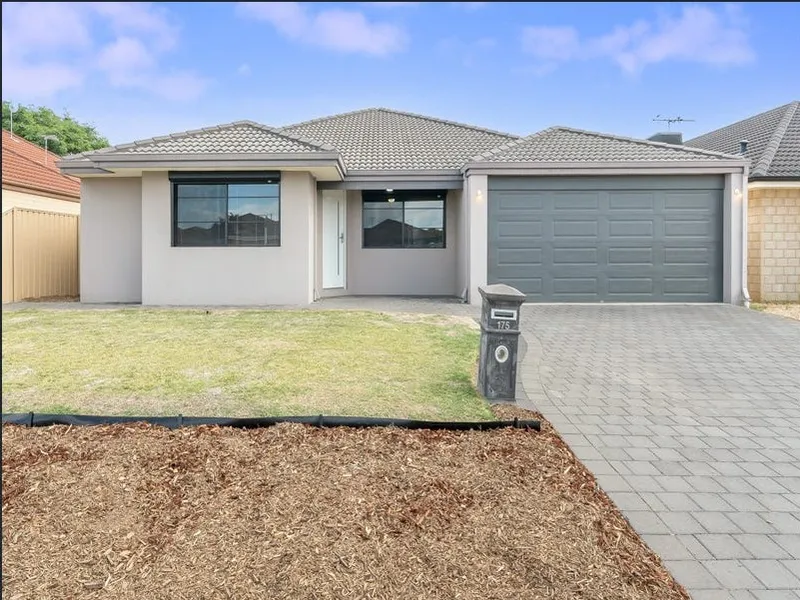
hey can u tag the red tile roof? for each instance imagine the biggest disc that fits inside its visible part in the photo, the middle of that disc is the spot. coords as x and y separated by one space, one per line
24 166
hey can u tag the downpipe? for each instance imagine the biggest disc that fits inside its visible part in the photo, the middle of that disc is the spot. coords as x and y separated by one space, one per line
745 291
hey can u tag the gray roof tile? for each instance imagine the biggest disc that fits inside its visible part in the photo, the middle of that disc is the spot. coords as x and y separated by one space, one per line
773 141
564 144
241 137
377 139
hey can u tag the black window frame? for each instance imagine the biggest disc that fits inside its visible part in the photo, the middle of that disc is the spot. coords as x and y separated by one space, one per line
401 198
216 178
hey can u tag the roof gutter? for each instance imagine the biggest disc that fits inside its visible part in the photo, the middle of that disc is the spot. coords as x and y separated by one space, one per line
399 180
105 163
712 166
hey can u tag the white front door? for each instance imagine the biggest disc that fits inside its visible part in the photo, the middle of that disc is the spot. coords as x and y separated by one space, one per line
333 238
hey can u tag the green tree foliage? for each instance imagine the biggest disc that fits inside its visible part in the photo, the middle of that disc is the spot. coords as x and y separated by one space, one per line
33 123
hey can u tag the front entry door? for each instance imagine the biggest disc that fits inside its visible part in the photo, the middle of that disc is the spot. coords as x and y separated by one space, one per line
333 238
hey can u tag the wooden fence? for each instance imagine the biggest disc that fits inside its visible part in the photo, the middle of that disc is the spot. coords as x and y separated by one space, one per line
40 255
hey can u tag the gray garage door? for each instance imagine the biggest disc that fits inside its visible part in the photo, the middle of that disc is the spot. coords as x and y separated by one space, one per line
607 239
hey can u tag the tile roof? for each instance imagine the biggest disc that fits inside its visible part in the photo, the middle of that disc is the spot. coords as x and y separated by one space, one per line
773 141
241 137
564 144
377 139
24 166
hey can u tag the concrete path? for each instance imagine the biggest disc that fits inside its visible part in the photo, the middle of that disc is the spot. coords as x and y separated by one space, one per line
689 416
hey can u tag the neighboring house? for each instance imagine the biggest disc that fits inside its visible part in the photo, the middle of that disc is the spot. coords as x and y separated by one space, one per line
40 224
771 141
31 179
384 202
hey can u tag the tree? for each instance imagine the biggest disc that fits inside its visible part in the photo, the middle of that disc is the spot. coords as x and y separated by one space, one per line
33 123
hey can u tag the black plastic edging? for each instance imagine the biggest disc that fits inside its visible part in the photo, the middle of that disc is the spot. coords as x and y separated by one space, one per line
45 420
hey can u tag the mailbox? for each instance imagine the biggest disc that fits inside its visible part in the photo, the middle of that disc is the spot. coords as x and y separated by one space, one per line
497 366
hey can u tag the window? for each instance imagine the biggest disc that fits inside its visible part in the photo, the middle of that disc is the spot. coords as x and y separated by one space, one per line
403 219
226 210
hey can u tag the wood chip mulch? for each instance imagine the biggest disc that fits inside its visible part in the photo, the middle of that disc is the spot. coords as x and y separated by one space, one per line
134 511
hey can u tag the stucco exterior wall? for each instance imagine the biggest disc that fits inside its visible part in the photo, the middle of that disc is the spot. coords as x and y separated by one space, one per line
774 244
476 194
111 240
17 199
228 276
402 271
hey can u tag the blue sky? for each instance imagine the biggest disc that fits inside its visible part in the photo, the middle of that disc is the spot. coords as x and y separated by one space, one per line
138 70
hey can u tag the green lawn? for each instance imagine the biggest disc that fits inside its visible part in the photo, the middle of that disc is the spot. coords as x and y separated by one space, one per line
239 363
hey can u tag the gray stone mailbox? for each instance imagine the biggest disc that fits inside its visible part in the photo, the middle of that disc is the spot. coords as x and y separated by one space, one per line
497 367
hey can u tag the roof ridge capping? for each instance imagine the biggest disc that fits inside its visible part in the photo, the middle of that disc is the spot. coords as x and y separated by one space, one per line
762 167
192 132
449 122
649 142
609 136
740 121
405 114
508 145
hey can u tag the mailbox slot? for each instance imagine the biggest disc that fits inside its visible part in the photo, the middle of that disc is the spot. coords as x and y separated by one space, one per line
503 314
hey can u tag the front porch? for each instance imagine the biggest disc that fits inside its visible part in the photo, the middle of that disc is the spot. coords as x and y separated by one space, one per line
387 242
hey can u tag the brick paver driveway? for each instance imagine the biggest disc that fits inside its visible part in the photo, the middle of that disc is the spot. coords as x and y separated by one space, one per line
689 416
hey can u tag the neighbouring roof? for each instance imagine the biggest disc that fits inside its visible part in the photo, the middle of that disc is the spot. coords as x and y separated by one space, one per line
240 137
28 166
773 141
380 139
564 144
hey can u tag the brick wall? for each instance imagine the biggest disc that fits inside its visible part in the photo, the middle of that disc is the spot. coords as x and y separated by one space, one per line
773 260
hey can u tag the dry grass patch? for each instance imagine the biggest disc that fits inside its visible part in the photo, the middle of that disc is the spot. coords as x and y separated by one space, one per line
783 309
239 363
294 512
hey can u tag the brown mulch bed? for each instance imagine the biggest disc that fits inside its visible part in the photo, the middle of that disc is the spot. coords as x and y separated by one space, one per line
296 512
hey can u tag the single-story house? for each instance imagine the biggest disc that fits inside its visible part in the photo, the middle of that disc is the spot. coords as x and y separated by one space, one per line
771 141
382 202
31 179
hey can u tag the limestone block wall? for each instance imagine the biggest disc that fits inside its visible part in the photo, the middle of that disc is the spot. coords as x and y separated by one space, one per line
773 262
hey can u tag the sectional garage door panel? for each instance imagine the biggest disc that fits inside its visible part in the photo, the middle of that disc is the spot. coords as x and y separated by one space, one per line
613 239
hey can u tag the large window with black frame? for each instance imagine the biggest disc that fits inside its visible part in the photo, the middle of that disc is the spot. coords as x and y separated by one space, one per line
226 210
404 218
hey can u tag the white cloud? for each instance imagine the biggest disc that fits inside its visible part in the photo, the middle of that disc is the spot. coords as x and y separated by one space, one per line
470 53
51 47
346 31
177 86
699 34
143 18
40 80
124 56
551 43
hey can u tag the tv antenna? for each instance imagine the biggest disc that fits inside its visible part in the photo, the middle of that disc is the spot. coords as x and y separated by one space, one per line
47 138
670 120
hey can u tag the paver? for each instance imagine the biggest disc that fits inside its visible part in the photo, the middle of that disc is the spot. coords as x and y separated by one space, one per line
723 546
761 546
773 574
692 574
718 389
750 522
790 543
715 522
732 574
